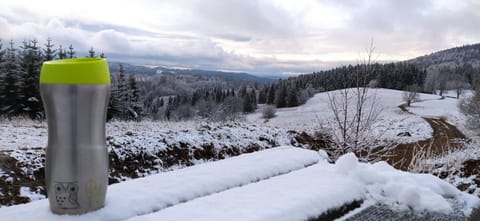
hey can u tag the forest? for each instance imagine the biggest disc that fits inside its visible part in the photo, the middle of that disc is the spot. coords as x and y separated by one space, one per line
175 97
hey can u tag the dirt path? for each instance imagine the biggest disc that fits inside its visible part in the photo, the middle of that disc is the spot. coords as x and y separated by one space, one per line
445 137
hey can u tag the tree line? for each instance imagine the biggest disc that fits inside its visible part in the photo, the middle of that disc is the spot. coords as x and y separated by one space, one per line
20 87
180 97
130 99
296 90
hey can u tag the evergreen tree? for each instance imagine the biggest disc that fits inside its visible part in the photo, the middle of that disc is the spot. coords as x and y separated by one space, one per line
2 72
134 105
48 52
30 64
114 103
62 53
280 96
102 55
292 99
243 91
262 96
91 53
271 95
249 101
70 53
11 95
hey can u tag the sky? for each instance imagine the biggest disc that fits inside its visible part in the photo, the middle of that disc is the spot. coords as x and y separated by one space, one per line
263 37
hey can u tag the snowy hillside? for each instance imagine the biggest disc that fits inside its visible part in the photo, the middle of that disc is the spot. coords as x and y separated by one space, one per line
392 120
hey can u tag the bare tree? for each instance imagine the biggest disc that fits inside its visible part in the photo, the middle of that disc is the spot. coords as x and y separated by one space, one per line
355 111
471 108
444 72
411 94
459 84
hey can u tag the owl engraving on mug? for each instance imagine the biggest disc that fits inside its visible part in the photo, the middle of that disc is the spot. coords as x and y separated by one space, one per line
66 195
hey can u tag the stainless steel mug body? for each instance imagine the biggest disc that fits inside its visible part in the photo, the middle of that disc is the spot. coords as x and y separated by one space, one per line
76 171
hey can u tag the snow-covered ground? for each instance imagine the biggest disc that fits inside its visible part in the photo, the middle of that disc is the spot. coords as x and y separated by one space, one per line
227 190
144 195
20 133
308 117
391 122
447 108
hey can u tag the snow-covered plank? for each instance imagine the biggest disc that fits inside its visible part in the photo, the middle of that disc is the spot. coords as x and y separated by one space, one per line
299 195
309 192
153 193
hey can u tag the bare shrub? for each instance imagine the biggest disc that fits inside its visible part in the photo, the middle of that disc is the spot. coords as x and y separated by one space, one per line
355 111
411 94
268 112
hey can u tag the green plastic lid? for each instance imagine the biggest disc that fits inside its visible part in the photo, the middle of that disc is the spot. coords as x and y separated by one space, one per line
75 71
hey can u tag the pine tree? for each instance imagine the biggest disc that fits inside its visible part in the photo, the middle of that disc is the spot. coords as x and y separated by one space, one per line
48 52
123 94
2 72
280 96
11 97
271 95
292 99
243 91
262 96
134 105
114 104
249 101
62 53
70 53
30 64
91 53
102 55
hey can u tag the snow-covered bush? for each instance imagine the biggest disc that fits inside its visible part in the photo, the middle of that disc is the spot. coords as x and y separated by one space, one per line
268 112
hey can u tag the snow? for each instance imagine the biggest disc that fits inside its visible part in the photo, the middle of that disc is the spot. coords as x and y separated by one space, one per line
274 184
26 192
436 107
21 133
266 185
295 196
150 136
145 195
309 192
392 121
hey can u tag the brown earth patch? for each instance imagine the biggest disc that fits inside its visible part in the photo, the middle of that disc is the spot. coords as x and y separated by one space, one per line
445 137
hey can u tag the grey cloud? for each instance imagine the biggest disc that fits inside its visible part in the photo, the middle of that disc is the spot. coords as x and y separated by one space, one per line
234 37
405 25
398 27
241 17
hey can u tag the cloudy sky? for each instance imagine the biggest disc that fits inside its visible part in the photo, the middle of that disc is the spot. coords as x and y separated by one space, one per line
257 36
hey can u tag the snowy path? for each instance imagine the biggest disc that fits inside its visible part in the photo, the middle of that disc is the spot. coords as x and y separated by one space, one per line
153 193
445 137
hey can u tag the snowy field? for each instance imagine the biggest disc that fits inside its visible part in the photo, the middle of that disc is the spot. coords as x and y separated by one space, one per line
447 108
391 122
231 190
309 117
27 134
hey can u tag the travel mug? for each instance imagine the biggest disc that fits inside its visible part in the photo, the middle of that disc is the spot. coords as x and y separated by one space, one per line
75 94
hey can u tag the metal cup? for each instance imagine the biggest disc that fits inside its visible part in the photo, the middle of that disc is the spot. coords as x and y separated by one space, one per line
75 94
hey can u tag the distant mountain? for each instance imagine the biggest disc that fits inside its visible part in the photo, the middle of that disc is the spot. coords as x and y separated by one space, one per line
453 57
144 70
